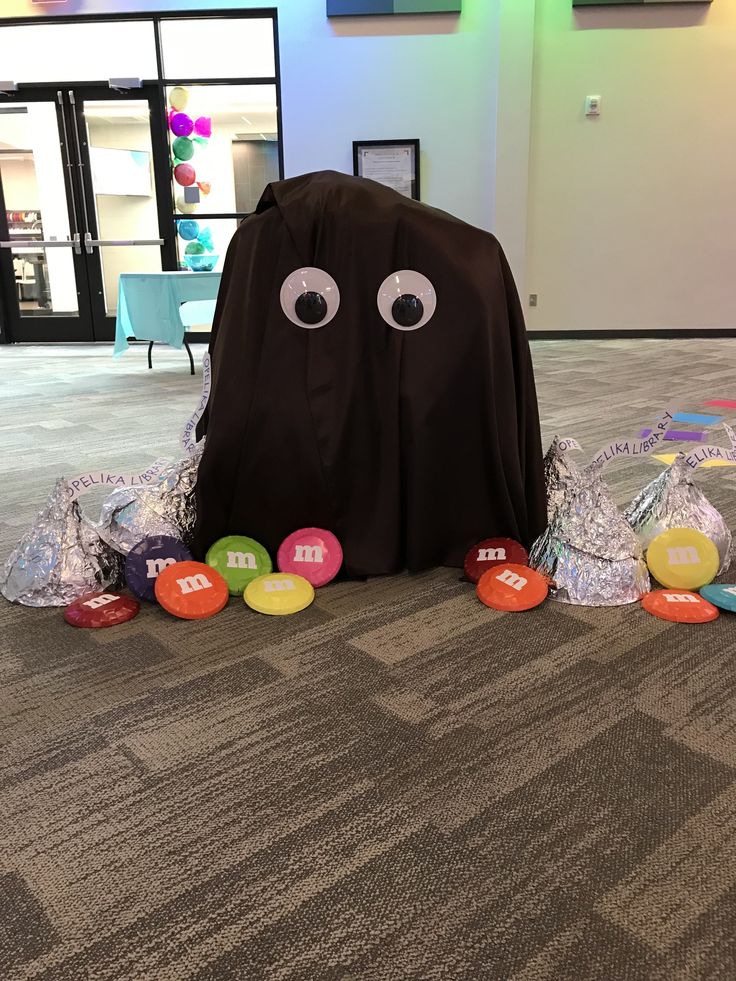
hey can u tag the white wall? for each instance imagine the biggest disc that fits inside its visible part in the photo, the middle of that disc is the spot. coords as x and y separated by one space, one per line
632 217
431 76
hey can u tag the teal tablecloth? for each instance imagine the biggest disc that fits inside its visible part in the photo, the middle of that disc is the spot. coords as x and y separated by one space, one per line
148 305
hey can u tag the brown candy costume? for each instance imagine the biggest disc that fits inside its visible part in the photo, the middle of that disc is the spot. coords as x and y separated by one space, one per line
410 445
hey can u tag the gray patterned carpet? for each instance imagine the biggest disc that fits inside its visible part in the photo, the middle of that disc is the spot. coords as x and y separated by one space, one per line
397 783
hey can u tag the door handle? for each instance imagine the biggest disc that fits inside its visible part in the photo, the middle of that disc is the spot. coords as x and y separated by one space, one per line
67 154
91 243
34 243
80 165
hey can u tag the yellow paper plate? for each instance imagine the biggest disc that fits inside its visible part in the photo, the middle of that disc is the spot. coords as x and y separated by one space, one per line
279 594
683 558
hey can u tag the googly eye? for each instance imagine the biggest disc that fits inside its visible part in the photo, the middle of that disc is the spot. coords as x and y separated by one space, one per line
310 297
407 300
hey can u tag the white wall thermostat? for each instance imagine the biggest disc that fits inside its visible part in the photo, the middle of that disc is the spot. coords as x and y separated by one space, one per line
592 105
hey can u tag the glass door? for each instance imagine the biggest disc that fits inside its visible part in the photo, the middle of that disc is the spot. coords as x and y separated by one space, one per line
123 183
79 193
42 269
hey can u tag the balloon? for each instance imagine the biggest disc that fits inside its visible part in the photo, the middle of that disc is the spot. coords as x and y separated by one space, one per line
204 186
181 124
205 239
184 174
183 149
194 248
178 98
201 140
203 126
188 229
186 207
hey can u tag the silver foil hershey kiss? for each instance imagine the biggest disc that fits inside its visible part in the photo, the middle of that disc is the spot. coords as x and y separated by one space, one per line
60 558
672 500
589 550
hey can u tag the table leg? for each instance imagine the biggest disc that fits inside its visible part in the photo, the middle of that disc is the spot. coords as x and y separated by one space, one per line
150 348
191 359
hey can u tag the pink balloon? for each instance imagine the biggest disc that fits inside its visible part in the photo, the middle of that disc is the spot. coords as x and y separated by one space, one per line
181 124
203 126
184 174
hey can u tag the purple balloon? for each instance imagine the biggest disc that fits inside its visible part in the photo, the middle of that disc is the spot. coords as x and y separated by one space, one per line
203 126
181 124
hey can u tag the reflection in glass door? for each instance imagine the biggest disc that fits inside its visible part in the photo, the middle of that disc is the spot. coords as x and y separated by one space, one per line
40 251
78 206
123 211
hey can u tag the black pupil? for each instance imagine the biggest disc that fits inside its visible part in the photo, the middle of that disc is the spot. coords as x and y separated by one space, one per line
408 310
311 307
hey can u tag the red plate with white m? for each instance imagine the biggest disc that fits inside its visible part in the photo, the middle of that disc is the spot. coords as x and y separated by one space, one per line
101 610
512 588
679 606
491 553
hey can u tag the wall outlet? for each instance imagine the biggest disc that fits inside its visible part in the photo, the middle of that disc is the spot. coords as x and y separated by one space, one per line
532 299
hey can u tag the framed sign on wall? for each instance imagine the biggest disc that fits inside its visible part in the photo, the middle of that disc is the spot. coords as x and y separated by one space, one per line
394 163
359 8
630 3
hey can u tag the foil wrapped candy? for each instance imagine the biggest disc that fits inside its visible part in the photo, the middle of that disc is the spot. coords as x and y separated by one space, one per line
672 500
560 472
589 551
167 507
60 558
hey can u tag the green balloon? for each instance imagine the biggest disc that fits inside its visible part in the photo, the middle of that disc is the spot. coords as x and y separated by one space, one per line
183 149
201 140
194 248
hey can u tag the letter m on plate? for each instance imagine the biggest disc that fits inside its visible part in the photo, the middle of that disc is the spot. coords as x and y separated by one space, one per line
308 553
491 554
241 560
684 555
192 584
512 579
154 567
681 598
98 601
277 585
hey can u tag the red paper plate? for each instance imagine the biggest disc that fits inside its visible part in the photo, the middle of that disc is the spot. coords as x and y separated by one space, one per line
679 606
492 552
191 590
512 588
101 610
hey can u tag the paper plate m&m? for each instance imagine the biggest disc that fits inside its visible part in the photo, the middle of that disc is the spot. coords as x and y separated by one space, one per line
148 559
492 552
683 558
279 594
191 590
238 560
512 588
313 553
101 610
679 606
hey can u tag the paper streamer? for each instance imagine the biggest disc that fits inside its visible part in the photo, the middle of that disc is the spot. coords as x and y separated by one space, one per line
188 437
671 457
569 444
83 483
705 455
636 447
